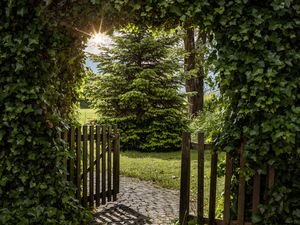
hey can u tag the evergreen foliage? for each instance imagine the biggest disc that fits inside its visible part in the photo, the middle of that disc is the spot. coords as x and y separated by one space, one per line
137 88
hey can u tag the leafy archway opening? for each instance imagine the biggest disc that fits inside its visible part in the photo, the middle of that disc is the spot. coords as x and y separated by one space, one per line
256 55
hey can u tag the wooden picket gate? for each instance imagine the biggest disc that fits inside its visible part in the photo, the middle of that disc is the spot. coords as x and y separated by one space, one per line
95 163
258 191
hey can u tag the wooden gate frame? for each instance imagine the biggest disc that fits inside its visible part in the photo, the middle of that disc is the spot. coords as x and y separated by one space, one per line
103 182
201 147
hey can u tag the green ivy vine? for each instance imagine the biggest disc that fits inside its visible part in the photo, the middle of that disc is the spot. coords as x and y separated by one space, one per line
256 56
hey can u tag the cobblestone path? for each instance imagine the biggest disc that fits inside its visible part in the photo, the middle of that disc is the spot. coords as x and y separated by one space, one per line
139 202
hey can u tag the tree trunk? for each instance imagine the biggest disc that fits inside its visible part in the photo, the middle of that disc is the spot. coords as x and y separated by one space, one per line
195 83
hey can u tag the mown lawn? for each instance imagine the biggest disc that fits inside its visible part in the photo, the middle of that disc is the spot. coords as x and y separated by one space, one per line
163 169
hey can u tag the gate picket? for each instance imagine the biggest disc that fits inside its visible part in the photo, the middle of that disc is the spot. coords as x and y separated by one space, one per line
95 168
104 140
98 157
91 194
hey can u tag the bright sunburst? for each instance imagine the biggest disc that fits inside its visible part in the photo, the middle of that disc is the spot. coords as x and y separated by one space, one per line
100 39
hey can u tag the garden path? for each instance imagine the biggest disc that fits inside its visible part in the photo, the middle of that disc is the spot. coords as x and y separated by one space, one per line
140 203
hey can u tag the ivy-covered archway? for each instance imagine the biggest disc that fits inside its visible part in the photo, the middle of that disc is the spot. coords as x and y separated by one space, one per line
257 57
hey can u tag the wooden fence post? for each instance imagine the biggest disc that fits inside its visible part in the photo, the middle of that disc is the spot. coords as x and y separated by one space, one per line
84 165
118 160
228 175
185 179
78 163
103 169
98 158
91 181
213 187
200 198
109 147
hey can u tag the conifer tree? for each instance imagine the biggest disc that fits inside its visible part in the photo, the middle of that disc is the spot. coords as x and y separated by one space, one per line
138 88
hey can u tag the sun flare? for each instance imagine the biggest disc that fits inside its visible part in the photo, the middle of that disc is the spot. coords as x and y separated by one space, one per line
100 39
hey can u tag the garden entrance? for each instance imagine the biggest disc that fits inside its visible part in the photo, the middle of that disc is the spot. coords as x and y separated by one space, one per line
94 163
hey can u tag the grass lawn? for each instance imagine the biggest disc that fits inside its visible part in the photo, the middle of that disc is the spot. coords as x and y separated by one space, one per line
164 170
86 115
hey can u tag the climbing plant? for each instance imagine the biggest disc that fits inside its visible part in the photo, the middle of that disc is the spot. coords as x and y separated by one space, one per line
257 57
39 72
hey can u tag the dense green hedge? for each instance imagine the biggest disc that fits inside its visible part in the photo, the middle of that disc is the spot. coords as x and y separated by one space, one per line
37 84
257 57
257 45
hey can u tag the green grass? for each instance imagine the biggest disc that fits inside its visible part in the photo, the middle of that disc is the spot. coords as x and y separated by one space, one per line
85 116
164 170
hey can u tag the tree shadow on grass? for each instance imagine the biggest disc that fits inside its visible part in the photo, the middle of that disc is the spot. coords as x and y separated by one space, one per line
119 214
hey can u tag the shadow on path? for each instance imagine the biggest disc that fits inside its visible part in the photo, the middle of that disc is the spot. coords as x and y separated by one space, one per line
140 203
120 214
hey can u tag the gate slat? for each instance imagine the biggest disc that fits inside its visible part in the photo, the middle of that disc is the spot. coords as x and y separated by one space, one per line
118 161
78 163
185 179
98 157
200 199
84 166
213 186
241 196
104 140
91 166
228 175
109 165
72 150
115 158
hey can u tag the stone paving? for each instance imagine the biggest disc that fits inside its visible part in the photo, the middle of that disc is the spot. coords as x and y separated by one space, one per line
140 203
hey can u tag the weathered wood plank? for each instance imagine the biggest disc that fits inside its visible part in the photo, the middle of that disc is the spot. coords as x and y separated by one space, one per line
228 175
213 186
104 140
256 193
118 161
84 203
200 199
185 179
115 161
91 184
78 163
98 170
206 146
109 143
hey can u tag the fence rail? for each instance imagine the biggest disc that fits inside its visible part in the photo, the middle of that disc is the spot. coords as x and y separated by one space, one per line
95 163
257 190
